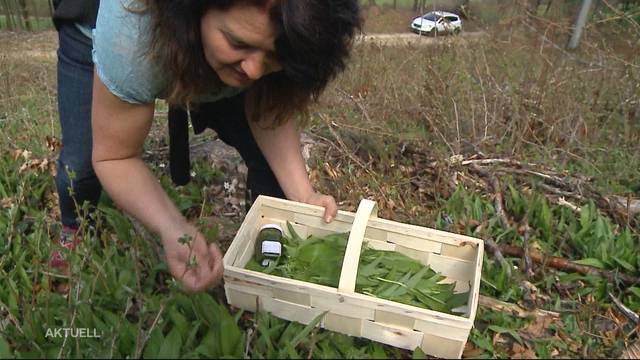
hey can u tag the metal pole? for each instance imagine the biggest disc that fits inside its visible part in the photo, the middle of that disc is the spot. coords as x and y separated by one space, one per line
580 22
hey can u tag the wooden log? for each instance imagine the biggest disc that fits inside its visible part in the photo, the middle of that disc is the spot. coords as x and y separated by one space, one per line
569 266
513 309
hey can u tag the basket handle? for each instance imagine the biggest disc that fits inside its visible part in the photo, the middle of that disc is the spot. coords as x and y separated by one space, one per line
366 209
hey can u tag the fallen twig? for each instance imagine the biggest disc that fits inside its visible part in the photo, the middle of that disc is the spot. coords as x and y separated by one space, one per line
493 248
628 313
618 208
631 206
494 185
528 266
562 202
569 266
485 162
364 111
514 309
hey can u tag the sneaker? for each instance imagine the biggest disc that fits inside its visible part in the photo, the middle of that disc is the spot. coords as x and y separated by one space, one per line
69 239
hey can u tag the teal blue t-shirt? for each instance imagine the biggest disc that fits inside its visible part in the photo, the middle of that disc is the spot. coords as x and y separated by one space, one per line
120 43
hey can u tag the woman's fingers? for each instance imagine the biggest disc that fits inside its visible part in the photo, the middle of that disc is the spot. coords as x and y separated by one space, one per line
216 256
330 208
199 268
326 201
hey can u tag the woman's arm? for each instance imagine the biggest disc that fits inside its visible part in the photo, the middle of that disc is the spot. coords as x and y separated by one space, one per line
281 148
119 131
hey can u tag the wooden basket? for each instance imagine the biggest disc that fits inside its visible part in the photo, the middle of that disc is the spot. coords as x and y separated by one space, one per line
457 257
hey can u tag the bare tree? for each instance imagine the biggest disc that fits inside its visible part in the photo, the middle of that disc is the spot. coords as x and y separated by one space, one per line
24 11
7 14
580 22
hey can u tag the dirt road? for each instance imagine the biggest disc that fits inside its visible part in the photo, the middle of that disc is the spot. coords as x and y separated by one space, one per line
41 46
402 39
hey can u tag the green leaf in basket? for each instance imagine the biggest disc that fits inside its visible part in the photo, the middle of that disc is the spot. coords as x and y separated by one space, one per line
385 274
428 301
397 288
370 269
400 262
415 279
457 300
295 238
591 262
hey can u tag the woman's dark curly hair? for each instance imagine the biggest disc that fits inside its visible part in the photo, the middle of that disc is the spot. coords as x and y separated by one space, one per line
313 44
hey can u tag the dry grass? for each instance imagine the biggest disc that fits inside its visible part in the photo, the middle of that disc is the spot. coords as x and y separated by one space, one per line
512 94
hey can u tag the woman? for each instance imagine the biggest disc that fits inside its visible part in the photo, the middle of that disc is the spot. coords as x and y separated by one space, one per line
274 56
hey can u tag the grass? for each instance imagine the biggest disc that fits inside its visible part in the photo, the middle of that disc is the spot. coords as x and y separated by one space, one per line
37 24
385 129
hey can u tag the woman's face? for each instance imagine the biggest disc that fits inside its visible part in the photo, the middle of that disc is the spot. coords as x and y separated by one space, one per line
239 45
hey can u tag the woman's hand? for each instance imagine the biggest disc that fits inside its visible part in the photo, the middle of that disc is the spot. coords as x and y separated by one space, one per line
326 201
196 265
119 130
281 147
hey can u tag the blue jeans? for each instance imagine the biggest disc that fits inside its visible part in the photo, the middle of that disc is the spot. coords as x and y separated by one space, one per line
76 181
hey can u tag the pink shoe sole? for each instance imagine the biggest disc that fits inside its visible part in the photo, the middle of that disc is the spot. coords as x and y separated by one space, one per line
69 239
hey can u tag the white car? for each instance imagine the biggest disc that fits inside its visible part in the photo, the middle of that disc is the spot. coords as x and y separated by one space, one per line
437 22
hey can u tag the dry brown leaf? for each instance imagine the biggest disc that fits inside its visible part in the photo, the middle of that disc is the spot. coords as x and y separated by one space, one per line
574 348
16 154
537 327
471 350
522 352
632 351
53 144
6 203
39 165
499 339
330 171
391 204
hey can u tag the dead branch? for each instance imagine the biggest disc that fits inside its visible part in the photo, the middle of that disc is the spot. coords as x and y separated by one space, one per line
494 185
528 266
513 309
568 265
344 149
618 208
484 162
631 206
493 248
562 202
628 313
364 111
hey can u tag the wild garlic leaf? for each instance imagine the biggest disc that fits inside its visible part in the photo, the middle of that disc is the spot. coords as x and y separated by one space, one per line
384 274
